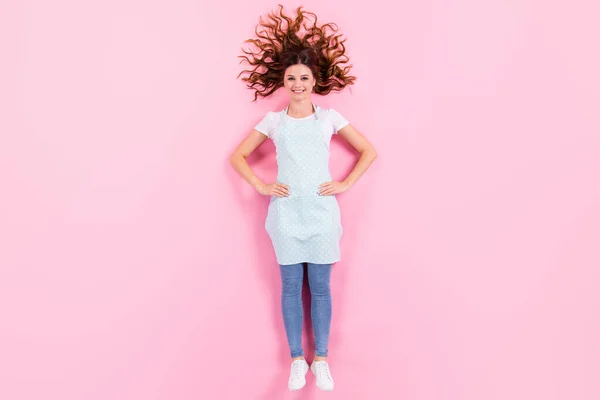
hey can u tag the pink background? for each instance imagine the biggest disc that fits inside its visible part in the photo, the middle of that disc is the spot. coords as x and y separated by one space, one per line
134 263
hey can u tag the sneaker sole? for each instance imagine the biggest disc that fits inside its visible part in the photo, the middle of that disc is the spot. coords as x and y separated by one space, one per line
292 388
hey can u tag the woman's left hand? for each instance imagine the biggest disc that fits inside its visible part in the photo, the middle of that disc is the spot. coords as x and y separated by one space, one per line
333 187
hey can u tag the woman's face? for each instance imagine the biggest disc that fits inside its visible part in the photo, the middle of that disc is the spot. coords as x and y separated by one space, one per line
298 81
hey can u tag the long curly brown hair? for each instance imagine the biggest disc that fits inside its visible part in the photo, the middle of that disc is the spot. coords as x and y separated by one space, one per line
279 46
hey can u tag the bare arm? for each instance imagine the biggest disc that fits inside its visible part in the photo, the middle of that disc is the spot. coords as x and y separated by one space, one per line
367 156
239 163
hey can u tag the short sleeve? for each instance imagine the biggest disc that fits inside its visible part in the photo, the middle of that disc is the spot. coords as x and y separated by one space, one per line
337 120
266 126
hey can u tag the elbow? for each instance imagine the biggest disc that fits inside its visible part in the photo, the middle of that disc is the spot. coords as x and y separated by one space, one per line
371 154
233 158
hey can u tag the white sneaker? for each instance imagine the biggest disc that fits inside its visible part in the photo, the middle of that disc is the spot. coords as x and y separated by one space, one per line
298 374
324 378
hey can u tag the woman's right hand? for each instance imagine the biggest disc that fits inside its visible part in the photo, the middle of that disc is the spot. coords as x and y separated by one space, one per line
274 189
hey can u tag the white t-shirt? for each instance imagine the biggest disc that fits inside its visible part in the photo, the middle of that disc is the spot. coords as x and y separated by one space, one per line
333 121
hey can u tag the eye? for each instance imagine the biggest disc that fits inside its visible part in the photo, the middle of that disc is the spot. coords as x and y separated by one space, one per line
305 78
290 79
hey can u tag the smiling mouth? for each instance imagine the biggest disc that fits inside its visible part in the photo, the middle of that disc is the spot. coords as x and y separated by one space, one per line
298 91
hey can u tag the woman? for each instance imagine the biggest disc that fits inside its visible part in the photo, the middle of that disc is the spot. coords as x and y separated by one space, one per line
303 219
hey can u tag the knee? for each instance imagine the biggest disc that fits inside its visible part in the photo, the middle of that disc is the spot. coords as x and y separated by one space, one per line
291 286
320 288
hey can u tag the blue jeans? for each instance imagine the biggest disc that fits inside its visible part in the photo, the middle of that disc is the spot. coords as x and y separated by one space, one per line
291 305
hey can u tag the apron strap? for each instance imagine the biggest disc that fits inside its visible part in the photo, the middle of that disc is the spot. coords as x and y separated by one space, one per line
315 110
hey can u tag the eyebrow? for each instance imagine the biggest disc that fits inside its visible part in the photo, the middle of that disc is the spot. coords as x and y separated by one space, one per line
300 75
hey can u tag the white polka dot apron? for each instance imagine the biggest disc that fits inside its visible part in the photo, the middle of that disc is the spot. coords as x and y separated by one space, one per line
304 226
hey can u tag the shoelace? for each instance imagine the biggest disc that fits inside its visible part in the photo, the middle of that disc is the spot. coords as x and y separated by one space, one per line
323 371
297 369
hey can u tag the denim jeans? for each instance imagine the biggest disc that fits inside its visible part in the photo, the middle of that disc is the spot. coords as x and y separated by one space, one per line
291 305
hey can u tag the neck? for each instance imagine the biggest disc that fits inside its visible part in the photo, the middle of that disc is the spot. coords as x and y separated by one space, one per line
300 109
